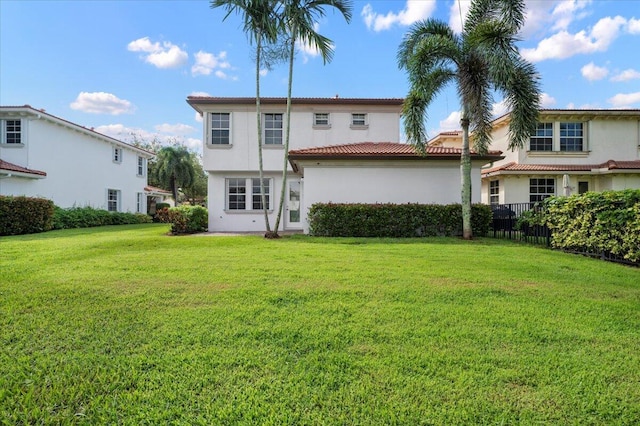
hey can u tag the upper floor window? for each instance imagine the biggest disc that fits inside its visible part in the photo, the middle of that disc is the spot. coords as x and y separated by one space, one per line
321 119
542 139
539 189
273 129
141 166
113 200
571 136
117 154
220 128
11 131
359 119
494 192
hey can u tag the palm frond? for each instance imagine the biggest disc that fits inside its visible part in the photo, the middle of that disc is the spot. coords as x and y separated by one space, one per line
425 35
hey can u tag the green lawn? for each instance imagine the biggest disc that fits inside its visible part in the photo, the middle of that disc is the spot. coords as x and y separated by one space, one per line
124 325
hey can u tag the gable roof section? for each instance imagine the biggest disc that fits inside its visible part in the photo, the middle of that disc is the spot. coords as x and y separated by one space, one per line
28 110
7 168
608 166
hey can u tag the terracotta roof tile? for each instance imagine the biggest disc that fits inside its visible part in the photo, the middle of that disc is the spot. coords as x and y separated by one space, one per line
5 165
608 165
377 149
192 100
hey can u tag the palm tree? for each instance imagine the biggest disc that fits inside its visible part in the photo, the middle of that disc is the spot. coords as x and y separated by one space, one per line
483 59
298 18
261 25
174 168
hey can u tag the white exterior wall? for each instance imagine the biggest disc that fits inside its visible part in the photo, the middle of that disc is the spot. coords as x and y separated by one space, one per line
79 167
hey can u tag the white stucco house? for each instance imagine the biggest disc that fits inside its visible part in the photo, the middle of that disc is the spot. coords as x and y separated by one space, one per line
42 155
572 151
342 150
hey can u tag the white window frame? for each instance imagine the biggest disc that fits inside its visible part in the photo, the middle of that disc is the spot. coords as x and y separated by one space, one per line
539 194
211 129
5 132
113 200
494 192
558 134
321 119
359 120
570 136
270 133
140 202
142 166
250 193
541 137
116 154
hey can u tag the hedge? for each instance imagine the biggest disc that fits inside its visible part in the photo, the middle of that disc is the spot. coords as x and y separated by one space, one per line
25 215
395 220
88 217
595 222
185 219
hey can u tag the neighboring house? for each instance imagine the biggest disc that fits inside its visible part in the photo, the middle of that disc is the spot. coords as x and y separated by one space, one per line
157 195
341 150
42 155
572 151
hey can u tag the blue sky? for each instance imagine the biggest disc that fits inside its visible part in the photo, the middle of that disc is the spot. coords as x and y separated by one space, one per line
127 66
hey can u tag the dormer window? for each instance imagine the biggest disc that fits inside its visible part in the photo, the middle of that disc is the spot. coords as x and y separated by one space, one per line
11 131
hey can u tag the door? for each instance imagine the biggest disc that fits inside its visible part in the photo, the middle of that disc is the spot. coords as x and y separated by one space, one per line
293 208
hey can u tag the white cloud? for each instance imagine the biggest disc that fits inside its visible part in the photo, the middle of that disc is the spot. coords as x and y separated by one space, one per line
102 103
626 75
264 72
201 94
198 117
165 55
633 26
176 129
308 50
546 100
413 11
452 122
624 100
592 72
564 44
165 134
207 62
458 8
566 12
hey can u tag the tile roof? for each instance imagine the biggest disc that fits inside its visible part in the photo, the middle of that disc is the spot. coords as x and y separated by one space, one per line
192 100
381 150
608 165
5 165
157 190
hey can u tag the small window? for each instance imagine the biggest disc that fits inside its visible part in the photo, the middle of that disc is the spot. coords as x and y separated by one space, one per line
141 166
140 204
220 128
273 129
11 131
359 119
583 186
494 192
113 200
571 136
539 189
117 155
321 119
542 139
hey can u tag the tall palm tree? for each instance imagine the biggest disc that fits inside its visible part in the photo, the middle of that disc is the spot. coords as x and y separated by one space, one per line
261 26
298 18
483 59
174 168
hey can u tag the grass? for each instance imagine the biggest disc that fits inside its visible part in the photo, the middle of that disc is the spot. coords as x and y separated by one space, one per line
124 325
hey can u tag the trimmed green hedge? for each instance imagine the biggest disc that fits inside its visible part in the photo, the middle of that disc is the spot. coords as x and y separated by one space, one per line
395 220
25 215
185 219
88 217
594 222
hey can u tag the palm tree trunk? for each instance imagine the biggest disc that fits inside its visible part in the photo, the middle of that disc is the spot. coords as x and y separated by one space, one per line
287 133
465 178
263 198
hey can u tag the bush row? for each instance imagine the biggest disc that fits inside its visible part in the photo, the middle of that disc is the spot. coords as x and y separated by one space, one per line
395 220
88 217
594 222
185 219
25 215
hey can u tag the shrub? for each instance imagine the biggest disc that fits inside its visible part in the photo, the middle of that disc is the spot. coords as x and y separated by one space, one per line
185 219
160 206
394 220
25 215
88 217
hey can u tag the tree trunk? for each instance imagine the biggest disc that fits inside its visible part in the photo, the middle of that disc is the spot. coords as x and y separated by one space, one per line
465 178
174 189
265 206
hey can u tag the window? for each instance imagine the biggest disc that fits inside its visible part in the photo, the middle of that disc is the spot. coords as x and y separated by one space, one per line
494 192
117 155
237 194
539 189
273 129
11 131
220 128
256 195
542 139
359 119
571 136
321 119
141 164
140 202
113 200
583 186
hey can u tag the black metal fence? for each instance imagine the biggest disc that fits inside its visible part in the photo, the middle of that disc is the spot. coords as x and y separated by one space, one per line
506 224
